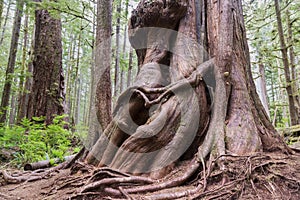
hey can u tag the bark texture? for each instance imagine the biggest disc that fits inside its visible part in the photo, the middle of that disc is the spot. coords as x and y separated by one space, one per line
246 127
47 92
183 108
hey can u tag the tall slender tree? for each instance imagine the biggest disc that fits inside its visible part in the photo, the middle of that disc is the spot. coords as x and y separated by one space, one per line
101 103
47 92
287 72
263 87
91 114
22 93
24 99
11 61
69 75
117 77
1 11
77 79
292 59
122 70
5 22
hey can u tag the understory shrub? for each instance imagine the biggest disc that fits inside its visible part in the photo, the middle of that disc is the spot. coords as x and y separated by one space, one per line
32 140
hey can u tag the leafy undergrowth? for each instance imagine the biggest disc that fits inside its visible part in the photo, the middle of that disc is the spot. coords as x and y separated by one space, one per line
259 176
33 141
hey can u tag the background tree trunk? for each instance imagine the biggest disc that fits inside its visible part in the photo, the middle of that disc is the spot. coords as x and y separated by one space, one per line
294 81
70 80
13 110
263 87
5 22
117 80
47 92
103 62
125 55
11 61
101 104
21 110
91 113
292 108
77 80
24 101
1 11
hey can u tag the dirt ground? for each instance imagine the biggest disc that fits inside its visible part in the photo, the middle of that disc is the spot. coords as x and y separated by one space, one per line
278 177
35 190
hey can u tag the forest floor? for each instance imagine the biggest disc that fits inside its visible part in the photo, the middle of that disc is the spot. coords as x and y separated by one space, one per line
272 176
35 190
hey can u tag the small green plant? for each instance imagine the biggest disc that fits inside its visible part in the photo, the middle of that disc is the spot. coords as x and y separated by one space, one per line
36 141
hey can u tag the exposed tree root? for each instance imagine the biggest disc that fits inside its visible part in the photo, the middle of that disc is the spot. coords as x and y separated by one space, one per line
30 176
258 176
23 178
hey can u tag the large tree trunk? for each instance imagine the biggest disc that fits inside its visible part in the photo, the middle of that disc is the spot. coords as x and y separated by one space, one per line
11 61
183 107
47 93
247 127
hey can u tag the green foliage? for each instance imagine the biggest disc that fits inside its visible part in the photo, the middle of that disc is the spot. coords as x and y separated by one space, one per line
263 38
36 141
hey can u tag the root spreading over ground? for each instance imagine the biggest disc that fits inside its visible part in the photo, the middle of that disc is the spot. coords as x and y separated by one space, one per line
257 176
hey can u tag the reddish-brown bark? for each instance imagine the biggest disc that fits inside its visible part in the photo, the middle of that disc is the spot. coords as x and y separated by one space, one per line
47 92
169 107
246 127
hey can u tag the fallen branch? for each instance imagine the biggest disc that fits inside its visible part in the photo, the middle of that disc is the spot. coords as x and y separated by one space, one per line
46 163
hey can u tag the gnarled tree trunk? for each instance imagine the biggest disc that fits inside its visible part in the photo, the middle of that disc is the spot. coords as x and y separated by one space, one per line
190 101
